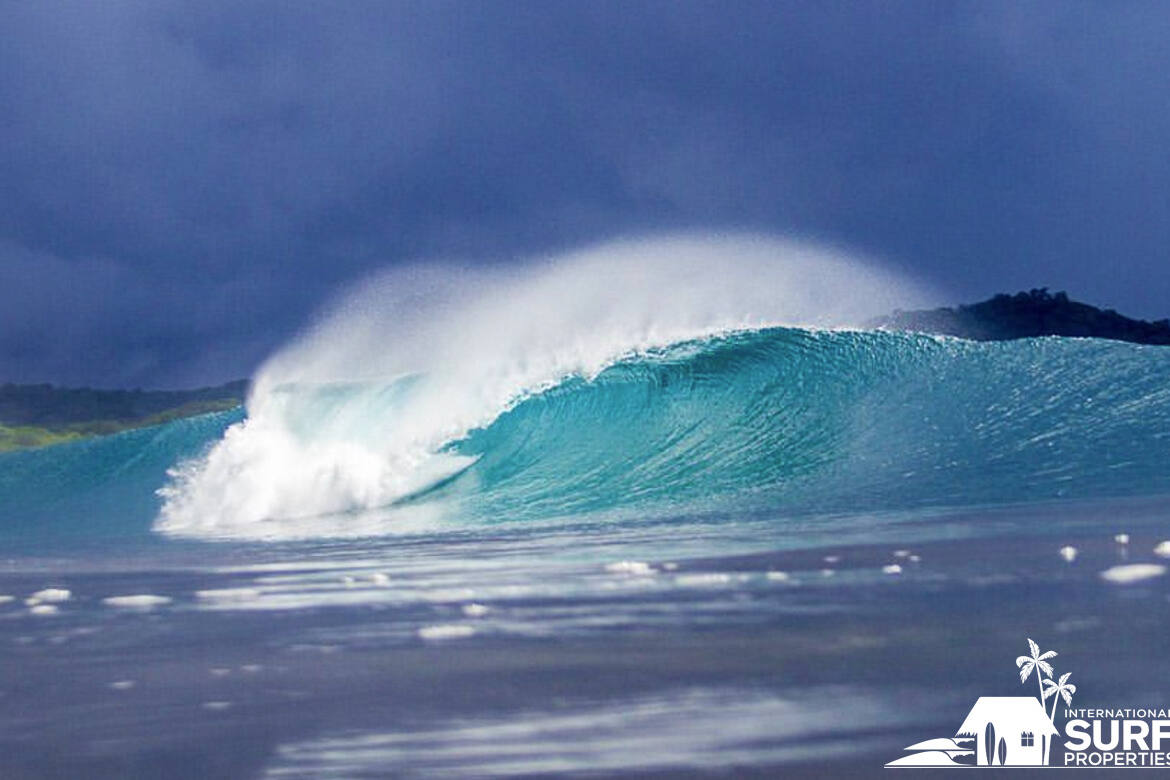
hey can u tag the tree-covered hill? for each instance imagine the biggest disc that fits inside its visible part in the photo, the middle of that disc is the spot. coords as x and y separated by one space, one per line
38 415
1028 314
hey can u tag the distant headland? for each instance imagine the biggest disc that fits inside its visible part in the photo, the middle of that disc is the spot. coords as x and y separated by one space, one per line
39 415
1027 315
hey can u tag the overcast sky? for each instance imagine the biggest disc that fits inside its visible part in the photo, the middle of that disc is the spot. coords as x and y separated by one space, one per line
181 184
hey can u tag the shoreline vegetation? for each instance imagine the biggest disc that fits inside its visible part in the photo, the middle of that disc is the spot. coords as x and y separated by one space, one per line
42 415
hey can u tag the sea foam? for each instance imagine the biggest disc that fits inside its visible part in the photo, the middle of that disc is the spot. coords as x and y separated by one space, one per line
1132 572
136 601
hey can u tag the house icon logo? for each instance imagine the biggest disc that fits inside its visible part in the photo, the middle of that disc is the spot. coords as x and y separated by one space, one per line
1001 730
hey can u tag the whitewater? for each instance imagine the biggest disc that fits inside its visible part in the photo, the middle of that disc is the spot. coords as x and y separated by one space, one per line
656 506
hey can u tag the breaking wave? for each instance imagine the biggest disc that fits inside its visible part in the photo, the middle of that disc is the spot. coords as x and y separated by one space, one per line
672 377
370 406
777 419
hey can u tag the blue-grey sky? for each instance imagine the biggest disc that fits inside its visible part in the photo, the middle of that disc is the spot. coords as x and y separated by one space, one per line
181 184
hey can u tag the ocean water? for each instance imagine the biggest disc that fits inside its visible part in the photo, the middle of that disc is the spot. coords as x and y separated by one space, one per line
674 565
649 510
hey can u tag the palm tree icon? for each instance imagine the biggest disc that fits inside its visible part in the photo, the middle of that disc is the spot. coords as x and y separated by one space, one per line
1037 662
1061 689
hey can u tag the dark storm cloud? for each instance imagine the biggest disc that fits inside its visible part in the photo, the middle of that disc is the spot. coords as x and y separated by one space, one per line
183 183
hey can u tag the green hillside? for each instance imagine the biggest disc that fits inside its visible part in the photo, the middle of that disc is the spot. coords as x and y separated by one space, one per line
40 415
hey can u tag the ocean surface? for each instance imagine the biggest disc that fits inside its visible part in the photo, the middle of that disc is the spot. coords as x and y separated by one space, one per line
755 551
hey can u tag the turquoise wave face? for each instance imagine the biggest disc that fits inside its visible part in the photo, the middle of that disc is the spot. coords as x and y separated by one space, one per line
834 421
700 420
103 486
779 420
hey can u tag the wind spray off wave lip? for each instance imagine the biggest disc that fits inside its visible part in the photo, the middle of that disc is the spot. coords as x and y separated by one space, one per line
424 355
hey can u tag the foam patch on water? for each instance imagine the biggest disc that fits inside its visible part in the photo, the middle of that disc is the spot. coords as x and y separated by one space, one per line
228 595
438 633
136 601
1133 572
639 568
51 595
705 579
